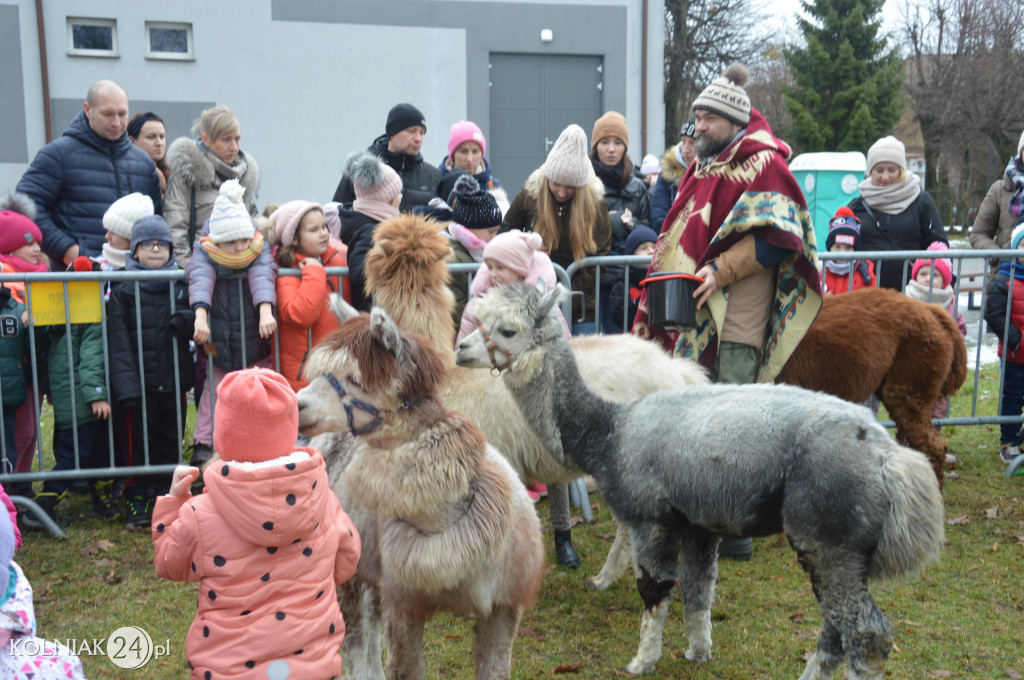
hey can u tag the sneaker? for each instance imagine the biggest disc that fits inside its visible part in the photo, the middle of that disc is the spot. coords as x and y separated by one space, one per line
540 489
104 505
1008 452
737 549
47 502
139 509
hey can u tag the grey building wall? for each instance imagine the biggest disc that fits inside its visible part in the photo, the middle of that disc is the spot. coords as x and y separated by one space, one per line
312 80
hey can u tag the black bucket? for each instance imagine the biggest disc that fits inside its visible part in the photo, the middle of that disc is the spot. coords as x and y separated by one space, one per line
670 302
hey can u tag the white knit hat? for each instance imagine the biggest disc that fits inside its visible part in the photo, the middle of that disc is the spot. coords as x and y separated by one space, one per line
567 161
123 213
230 220
726 96
887 150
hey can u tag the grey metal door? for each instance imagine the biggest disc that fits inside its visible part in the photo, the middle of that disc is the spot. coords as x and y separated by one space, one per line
533 98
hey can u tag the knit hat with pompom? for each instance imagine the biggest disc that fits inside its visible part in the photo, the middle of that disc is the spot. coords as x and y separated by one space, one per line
257 416
844 228
17 228
123 213
472 207
230 219
726 96
943 266
514 249
372 180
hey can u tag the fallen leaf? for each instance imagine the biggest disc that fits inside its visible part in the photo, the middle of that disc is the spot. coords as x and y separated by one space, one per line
797 618
105 563
1019 538
568 668
995 547
992 513
908 622
939 674
531 633
1010 673
962 519
452 636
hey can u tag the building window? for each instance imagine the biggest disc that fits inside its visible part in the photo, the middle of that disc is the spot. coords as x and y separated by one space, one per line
92 37
168 40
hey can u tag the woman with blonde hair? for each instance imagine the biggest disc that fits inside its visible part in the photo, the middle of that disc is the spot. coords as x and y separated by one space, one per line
563 201
895 213
198 168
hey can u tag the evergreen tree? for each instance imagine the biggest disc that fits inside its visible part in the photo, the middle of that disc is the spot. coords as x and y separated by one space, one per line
848 85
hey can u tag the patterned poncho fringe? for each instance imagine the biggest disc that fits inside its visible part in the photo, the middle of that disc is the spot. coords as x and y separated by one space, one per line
749 189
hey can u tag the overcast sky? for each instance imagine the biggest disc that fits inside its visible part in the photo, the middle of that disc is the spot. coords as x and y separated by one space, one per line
787 9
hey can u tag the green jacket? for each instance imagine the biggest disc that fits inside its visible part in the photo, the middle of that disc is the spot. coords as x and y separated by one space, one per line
14 351
89 372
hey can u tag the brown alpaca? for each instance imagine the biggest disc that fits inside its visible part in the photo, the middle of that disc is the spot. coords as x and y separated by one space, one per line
879 341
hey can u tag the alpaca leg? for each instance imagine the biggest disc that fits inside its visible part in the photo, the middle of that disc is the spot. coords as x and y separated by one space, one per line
495 636
697 574
405 645
619 557
914 429
361 652
656 554
828 657
847 606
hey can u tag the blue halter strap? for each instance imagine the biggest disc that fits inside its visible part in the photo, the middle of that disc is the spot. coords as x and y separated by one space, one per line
354 403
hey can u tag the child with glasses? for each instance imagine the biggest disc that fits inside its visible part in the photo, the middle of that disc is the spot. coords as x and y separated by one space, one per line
158 331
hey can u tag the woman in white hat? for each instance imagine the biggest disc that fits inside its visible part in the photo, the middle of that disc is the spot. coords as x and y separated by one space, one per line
563 201
895 213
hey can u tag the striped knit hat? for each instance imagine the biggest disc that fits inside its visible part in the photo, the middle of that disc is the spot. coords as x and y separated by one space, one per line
229 220
726 96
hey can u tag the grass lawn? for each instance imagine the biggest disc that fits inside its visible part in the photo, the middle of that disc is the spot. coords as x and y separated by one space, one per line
963 618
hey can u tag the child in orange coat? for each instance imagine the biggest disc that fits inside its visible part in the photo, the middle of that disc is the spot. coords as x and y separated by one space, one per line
300 228
842 276
268 542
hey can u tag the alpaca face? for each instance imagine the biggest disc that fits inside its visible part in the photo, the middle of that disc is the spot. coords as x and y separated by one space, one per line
514 319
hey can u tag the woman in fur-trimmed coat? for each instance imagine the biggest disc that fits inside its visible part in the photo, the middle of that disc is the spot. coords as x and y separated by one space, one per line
198 168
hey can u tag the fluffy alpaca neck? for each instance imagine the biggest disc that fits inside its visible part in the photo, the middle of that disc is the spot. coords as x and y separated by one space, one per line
427 312
564 413
406 424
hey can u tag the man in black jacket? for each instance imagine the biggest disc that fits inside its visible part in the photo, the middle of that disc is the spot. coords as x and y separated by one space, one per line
399 147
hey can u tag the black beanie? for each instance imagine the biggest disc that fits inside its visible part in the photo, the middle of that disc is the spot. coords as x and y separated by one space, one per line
473 208
402 116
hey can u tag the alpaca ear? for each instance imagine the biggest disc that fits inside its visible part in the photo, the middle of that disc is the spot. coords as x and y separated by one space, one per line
341 309
386 332
547 301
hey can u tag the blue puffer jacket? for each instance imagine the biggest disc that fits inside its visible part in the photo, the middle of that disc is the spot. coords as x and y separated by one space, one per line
74 179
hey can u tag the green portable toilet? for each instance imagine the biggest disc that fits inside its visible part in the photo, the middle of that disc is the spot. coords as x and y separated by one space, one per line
828 179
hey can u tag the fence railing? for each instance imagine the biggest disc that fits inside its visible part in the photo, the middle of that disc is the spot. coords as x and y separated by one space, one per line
971 268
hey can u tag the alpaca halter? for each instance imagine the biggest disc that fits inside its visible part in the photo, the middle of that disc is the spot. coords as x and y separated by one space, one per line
352 404
492 348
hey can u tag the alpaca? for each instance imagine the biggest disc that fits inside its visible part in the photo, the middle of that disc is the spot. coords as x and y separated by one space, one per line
682 468
444 522
407 271
878 341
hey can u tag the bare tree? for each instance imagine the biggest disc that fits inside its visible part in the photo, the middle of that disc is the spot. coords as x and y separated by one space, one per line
702 37
965 69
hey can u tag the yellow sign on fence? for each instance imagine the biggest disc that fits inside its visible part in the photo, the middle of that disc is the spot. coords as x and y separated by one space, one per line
85 302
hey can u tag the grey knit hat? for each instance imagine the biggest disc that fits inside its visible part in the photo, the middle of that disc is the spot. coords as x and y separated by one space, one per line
567 161
152 228
726 96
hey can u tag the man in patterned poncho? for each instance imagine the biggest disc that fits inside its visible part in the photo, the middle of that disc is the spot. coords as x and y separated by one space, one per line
739 222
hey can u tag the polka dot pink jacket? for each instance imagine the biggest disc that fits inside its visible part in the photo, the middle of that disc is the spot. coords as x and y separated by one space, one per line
267 545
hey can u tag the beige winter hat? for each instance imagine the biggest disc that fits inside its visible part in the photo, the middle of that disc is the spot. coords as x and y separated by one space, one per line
567 161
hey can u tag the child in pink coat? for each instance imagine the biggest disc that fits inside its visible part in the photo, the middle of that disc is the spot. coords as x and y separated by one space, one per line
268 542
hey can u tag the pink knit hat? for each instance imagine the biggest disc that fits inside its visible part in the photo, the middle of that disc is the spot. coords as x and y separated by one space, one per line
372 179
332 218
16 226
256 416
465 131
942 265
514 249
287 217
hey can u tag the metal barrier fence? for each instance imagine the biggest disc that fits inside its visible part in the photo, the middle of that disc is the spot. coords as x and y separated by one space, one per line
965 266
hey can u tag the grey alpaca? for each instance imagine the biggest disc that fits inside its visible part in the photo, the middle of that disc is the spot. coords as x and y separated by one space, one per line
682 468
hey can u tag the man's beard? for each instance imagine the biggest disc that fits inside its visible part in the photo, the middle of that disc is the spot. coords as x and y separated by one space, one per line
708 146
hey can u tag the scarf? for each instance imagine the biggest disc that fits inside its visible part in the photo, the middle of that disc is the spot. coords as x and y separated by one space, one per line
840 268
115 256
233 171
609 176
378 210
935 296
24 266
1015 171
240 261
893 199
473 243
748 189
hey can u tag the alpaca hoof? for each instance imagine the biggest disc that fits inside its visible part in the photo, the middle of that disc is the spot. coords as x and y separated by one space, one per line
565 553
639 666
597 583
697 657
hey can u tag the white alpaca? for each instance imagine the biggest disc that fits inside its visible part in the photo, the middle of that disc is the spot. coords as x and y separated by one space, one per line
407 271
